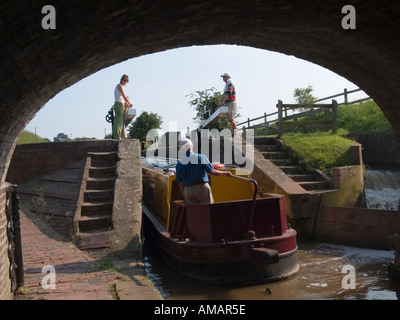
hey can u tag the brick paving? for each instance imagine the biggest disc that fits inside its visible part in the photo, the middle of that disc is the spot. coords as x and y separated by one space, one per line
79 275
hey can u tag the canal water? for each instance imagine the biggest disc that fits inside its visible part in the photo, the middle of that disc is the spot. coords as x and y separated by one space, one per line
327 271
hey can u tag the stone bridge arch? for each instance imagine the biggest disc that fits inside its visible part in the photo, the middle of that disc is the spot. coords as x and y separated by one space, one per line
36 64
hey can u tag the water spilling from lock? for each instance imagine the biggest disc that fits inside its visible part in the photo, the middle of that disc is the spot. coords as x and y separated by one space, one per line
382 188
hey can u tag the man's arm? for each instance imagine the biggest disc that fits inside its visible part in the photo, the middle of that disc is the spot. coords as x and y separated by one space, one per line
223 99
215 172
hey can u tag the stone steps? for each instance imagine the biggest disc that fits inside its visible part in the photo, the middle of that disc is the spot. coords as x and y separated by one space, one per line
95 220
93 208
100 183
313 185
95 239
104 172
101 195
290 169
271 150
103 159
302 177
274 155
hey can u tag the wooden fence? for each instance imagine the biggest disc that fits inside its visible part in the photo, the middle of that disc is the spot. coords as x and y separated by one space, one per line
345 95
310 122
270 121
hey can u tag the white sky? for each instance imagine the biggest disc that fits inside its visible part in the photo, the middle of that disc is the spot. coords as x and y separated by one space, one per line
160 83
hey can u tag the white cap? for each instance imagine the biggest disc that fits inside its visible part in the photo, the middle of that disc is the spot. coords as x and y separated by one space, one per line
226 75
186 142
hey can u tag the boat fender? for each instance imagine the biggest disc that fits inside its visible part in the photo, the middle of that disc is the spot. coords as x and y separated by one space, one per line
265 255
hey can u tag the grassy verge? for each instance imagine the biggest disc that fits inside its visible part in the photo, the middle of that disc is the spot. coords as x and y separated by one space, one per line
325 151
363 117
320 150
29 137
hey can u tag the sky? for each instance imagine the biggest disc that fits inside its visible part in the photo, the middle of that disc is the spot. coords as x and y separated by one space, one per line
161 82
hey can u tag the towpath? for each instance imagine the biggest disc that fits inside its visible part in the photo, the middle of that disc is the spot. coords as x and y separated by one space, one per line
74 274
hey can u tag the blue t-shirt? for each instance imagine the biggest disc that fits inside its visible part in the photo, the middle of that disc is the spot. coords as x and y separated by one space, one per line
193 169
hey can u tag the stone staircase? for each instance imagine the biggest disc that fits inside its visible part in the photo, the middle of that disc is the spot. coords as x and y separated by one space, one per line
272 150
73 185
93 220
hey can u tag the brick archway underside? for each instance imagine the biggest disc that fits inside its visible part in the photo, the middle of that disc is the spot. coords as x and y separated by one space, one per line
36 64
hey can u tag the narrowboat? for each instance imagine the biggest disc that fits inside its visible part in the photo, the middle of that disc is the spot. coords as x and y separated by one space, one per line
241 238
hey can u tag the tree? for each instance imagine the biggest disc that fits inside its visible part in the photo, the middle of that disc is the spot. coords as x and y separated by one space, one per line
84 138
61 137
208 100
139 128
304 96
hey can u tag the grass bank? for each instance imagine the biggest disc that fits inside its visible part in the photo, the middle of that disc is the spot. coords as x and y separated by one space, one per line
363 117
29 137
320 150
324 150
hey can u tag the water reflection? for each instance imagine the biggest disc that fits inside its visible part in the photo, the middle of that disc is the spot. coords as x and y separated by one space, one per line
325 273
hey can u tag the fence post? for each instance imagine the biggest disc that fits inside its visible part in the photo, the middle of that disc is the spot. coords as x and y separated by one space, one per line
345 96
266 124
334 116
280 124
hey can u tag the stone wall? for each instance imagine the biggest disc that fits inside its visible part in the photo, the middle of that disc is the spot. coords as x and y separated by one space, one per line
127 208
379 148
362 227
348 184
33 160
5 283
